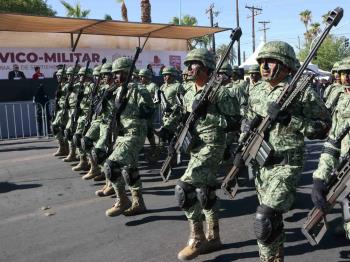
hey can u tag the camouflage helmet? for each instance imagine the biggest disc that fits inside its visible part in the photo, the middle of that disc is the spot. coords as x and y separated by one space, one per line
169 71
96 71
82 71
344 65
254 69
106 68
121 64
280 51
202 55
70 71
146 73
335 67
226 69
59 72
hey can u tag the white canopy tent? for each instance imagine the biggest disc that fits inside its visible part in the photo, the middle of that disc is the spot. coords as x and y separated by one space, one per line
252 59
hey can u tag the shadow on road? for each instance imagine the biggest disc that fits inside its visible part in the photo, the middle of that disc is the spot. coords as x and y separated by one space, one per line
6 187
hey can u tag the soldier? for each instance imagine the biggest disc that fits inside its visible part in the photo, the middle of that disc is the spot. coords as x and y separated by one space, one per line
336 81
337 145
73 89
121 167
254 74
60 118
239 89
226 73
277 180
85 101
172 91
195 191
334 91
146 82
95 139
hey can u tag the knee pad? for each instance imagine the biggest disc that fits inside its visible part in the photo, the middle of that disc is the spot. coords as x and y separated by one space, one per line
77 140
268 224
206 196
98 155
130 175
185 194
111 170
68 134
87 144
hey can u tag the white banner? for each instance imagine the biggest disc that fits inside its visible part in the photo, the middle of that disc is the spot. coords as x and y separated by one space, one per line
48 58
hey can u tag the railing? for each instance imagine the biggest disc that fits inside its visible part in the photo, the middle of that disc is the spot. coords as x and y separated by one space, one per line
24 119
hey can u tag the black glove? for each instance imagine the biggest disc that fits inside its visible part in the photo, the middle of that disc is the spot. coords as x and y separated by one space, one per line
200 108
163 133
318 194
275 114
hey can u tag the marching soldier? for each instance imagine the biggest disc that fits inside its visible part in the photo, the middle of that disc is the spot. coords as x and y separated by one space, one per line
334 91
121 167
60 118
336 81
254 75
336 146
277 180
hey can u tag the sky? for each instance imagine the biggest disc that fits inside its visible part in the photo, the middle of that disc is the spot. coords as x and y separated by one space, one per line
283 15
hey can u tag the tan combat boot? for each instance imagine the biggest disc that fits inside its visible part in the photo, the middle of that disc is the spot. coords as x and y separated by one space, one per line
100 177
213 242
61 149
72 154
93 172
83 164
138 205
195 243
106 190
121 205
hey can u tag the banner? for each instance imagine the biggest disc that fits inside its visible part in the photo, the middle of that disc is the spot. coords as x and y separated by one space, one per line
48 58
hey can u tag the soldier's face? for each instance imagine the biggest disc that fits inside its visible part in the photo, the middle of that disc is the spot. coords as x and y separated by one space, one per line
345 77
70 78
144 80
168 79
255 77
196 69
81 78
272 69
59 78
225 78
119 77
106 78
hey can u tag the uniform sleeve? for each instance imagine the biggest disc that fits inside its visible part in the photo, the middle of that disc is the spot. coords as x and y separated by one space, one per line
227 102
145 103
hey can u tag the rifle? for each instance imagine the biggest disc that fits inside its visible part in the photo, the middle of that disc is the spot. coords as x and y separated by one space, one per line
253 145
183 138
59 91
338 188
80 94
120 104
90 113
334 104
160 98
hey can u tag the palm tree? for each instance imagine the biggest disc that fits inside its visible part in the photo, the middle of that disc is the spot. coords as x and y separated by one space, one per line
305 17
146 11
232 57
324 17
314 29
108 17
124 10
75 11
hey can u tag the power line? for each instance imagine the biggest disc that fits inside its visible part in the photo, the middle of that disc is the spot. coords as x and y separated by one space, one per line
264 23
211 17
255 11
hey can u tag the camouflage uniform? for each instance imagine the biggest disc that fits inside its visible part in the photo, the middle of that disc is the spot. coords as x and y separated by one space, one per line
206 152
327 91
60 118
239 89
333 148
277 180
253 69
121 167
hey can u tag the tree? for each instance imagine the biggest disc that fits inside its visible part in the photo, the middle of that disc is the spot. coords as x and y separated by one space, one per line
232 57
75 11
332 50
188 20
108 17
33 7
305 17
124 10
146 11
314 29
324 17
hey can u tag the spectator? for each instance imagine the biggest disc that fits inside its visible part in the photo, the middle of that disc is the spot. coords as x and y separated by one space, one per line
38 74
149 67
41 98
60 66
15 74
161 69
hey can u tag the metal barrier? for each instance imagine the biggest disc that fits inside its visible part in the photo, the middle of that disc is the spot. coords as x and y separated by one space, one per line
22 119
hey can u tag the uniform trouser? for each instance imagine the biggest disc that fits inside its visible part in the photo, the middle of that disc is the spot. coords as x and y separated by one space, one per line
126 152
79 131
70 121
59 122
276 188
202 170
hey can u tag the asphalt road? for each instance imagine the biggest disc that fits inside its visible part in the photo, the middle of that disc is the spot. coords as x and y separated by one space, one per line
75 227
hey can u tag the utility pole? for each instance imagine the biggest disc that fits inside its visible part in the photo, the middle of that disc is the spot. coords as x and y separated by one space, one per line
238 42
255 11
211 17
264 23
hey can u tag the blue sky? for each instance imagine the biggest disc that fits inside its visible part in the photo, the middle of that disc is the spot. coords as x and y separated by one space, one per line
282 14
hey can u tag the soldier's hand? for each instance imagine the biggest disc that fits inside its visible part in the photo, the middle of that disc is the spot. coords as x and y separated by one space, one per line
275 113
318 194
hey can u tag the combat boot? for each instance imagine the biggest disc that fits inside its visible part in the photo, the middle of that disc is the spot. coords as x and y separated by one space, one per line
138 205
122 204
195 243
106 190
83 164
61 149
93 172
72 154
279 257
100 177
213 242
